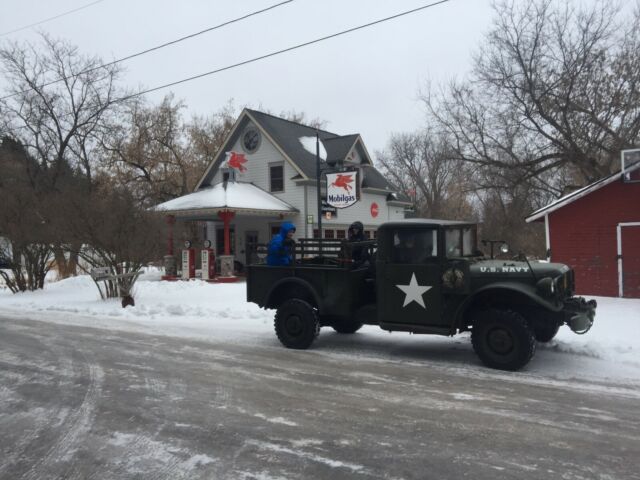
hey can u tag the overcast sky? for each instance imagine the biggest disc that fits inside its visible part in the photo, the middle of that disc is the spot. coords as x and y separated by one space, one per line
364 82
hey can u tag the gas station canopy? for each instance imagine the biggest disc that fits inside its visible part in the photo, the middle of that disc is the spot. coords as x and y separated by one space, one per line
238 197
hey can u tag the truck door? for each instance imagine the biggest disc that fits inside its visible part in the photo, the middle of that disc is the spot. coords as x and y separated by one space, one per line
408 278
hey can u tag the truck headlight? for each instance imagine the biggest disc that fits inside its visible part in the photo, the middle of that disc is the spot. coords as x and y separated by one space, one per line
546 286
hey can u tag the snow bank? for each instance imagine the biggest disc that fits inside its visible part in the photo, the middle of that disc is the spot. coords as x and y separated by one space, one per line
615 334
193 309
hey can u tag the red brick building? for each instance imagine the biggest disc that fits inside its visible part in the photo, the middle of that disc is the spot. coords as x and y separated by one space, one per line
596 230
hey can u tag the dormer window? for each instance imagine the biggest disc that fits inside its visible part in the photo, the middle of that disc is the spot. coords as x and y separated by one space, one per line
276 177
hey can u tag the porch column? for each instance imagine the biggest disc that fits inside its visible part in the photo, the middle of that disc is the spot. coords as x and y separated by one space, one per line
226 217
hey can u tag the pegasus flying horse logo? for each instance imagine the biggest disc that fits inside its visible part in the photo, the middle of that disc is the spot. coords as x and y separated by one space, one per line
343 181
237 160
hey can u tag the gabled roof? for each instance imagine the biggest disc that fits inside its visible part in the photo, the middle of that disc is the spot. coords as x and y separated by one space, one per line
339 147
234 196
286 135
573 196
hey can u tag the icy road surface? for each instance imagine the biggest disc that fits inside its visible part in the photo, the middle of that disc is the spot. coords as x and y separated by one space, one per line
79 403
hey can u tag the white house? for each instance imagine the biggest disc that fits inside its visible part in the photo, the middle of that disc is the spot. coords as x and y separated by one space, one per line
275 179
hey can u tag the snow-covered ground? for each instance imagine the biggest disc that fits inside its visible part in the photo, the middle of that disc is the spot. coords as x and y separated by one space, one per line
610 352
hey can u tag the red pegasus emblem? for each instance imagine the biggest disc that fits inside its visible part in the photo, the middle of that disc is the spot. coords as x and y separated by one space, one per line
343 181
237 160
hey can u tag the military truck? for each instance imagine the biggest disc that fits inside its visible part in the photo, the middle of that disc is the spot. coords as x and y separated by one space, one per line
424 276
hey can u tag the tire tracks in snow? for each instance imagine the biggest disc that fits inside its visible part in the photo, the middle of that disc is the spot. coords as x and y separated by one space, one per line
27 371
75 429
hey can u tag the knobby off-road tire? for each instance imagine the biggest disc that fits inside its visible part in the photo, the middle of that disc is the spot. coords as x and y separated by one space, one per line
296 324
546 333
502 339
346 326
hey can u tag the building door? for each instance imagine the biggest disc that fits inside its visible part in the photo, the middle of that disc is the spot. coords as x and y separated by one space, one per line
629 260
250 244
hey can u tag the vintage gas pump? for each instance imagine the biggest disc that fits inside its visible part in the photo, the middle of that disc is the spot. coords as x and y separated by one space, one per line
208 261
188 261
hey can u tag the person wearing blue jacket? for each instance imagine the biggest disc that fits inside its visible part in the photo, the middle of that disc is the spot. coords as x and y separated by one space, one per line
281 247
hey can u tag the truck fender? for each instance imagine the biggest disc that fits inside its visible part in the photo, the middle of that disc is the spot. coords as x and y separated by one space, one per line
503 290
296 286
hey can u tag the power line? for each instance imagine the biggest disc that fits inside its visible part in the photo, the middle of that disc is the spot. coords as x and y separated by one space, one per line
284 50
50 18
143 52
278 52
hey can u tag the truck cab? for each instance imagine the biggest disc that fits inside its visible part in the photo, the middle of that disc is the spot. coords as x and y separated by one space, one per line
421 268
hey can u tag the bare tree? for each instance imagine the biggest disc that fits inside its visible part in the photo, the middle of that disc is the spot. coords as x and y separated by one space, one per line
422 166
57 121
24 219
114 231
58 104
301 117
160 156
555 88
147 151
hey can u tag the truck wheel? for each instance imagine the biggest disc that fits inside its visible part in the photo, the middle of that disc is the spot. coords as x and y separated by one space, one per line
502 339
546 333
296 324
346 326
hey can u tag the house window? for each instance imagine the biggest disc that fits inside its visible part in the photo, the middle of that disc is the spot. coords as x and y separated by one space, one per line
340 234
276 178
367 234
316 233
328 234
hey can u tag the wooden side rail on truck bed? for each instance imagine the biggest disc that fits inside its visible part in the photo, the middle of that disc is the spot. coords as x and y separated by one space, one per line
315 251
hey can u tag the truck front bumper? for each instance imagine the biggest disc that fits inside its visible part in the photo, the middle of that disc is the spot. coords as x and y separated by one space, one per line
579 314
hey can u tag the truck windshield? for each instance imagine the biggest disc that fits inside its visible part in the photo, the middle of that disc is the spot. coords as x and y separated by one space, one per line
460 241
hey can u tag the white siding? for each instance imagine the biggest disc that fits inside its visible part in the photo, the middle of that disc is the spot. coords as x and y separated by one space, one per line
360 211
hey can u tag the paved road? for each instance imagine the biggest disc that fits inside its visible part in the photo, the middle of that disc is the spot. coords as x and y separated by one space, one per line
83 403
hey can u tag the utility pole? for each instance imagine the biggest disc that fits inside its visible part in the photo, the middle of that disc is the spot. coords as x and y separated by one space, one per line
318 184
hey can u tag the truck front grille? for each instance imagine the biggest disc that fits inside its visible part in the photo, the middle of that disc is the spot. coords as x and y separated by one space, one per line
566 285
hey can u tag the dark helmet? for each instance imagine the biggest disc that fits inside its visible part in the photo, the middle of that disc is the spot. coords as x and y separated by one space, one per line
356 226
356 232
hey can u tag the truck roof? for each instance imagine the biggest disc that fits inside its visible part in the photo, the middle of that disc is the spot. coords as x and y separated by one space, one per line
425 222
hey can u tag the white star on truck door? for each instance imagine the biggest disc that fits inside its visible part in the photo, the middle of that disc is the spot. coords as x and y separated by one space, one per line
413 292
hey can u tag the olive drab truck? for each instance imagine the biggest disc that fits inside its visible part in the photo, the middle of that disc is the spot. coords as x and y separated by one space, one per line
424 276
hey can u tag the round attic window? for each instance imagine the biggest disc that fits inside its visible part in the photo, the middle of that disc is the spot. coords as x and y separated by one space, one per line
251 140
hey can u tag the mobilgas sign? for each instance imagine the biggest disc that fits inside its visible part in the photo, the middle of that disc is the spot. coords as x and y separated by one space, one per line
342 189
